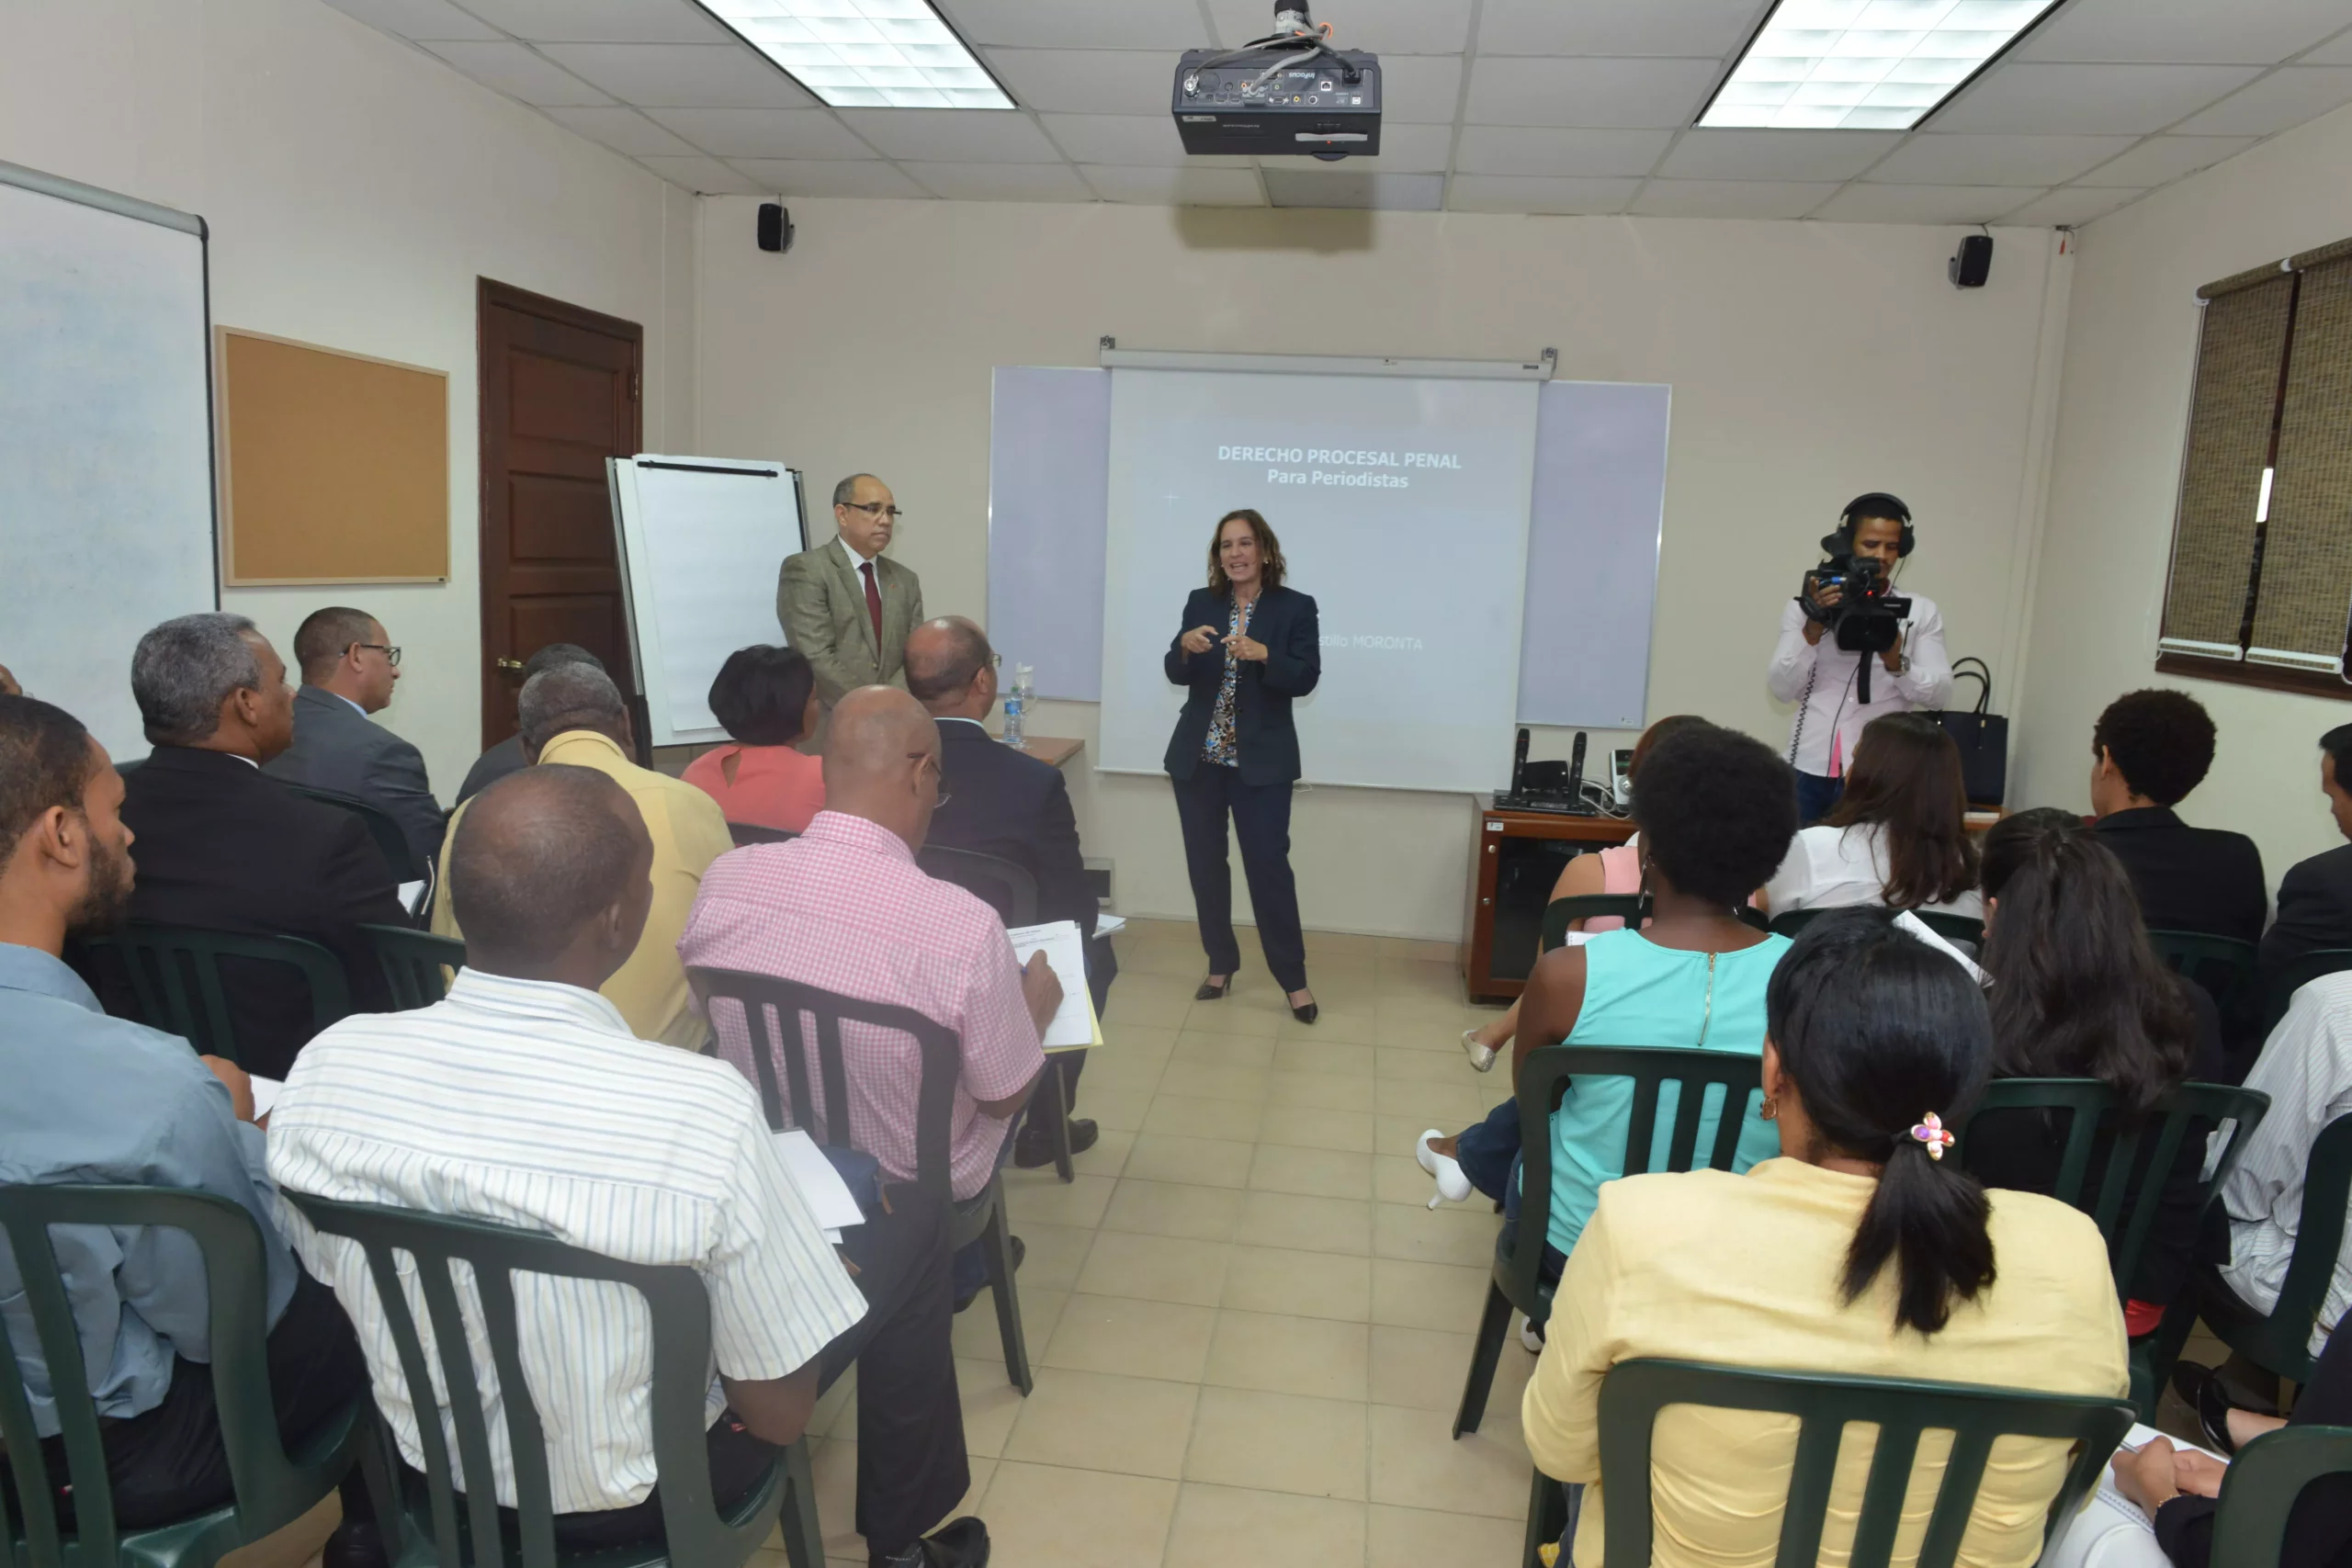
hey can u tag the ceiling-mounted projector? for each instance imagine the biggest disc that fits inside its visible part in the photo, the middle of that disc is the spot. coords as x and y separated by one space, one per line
1288 91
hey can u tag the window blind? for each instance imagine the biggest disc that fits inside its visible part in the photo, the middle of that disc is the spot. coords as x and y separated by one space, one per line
2240 344
2306 590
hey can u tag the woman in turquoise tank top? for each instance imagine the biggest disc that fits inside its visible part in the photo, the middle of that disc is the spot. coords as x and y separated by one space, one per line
1717 810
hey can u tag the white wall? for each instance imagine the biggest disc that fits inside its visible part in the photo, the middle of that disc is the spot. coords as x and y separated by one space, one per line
2130 347
1810 362
355 188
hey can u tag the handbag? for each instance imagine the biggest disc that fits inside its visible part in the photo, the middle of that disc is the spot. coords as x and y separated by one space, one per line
1982 735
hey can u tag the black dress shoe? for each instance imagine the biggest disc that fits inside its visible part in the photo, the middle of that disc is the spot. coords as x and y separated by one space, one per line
1209 993
959 1543
2203 1393
354 1544
1306 1014
1020 1251
1035 1146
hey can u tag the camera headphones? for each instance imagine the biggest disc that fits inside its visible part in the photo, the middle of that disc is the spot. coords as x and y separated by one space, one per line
1877 504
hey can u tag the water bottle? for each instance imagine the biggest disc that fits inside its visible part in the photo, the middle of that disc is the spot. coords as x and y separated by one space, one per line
1016 700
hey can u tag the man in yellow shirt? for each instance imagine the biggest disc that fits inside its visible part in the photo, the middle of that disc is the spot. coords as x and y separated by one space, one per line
572 714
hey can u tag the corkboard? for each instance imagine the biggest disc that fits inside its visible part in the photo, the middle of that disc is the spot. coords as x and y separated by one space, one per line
335 467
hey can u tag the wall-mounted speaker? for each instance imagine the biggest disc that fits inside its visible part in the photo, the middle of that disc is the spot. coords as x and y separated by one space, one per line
1973 264
776 227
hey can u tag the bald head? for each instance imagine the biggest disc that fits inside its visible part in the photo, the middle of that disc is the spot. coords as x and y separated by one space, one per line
550 875
951 668
882 762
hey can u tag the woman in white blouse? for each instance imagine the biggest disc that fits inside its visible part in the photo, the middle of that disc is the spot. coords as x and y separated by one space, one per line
1899 836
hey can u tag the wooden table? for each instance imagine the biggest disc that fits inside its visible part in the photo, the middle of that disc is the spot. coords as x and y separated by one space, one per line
1055 750
1512 867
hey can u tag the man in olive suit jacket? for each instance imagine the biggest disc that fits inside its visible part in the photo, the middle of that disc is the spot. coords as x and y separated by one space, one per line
846 607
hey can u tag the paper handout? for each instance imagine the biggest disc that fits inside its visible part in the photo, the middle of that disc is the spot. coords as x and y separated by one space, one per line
1074 1025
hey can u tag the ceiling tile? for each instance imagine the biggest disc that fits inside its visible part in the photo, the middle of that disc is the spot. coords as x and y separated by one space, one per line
1171 25
2281 101
2072 205
416 19
514 69
954 136
1615 27
1522 149
1976 159
1406 27
1924 204
1403 193
1776 154
1731 198
602 21
1520 192
1001 182
706 175
2163 159
1089 81
1404 150
1420 89
827 176
2088 99
1506 90
682 75
2335 52
1132 140
623 130
1190 187
764 133
2191 31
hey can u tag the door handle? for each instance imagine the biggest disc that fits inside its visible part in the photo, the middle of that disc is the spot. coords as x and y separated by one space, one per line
514 664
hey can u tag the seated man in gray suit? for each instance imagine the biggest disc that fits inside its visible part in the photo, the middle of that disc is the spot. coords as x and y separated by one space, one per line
506 757
846 608
348 669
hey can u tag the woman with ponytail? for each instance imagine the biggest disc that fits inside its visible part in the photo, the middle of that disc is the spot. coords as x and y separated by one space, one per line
1863 1248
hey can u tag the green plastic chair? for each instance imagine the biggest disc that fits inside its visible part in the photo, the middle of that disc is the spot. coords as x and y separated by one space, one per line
416 965
175 982
1634 1393
399 859
1957 929
773 1011
2278 1341
2259 1490
2278 986
273 1487
2191 1111
1517 1279
752 833
429 1525
2225 966
1561 914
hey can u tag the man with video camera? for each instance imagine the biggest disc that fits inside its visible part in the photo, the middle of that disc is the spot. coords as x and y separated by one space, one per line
1852 648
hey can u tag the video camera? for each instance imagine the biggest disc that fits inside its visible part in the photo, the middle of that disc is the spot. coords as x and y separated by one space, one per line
1869 614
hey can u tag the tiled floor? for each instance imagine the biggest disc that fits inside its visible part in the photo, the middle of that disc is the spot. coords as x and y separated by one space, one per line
1249 1333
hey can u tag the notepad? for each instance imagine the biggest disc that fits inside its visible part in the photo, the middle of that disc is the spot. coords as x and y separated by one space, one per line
1074 1027
265 1093
830 1201
1109 925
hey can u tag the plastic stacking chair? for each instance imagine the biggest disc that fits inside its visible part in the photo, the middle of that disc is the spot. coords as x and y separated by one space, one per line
389 839
2222 964
1963 931
2278 1341
1902 1410
429 1530
1517 1279
773 1011
176 985
273 1487
1561 914
2278 988
1007 888
2187 1114
417 966
2259 1490
752 833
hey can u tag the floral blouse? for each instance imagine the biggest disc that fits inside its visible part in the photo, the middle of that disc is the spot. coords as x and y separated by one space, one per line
1220 745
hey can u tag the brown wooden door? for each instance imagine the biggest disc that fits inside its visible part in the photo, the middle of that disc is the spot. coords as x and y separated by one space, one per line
560 394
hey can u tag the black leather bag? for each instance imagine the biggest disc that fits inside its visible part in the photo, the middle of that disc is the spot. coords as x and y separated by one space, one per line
1982 735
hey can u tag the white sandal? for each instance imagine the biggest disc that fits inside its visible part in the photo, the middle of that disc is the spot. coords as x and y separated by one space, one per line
1482 1055
1453 1187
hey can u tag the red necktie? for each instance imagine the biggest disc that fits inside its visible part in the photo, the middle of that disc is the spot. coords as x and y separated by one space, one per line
872 605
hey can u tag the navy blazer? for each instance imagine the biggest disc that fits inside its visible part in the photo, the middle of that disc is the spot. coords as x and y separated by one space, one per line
2314 909
1265 740
2189 879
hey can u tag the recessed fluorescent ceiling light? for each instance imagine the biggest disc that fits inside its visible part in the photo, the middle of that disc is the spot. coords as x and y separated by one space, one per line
854 55
1865 64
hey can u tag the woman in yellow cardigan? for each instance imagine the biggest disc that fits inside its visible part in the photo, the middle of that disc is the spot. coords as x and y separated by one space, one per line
1861 1250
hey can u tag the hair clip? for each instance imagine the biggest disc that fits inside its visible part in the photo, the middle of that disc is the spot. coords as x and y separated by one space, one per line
1931 1133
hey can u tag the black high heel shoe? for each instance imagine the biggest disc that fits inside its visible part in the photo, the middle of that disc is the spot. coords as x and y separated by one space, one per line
1210 993
1306 1012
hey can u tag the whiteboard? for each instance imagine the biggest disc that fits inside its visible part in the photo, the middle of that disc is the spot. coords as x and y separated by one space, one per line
702 542
106 440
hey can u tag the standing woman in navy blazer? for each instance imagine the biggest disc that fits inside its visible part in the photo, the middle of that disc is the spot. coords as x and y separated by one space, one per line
1248 646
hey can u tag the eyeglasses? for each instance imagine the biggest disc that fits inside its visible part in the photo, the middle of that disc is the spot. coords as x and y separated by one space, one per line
875 509
391 653
940 796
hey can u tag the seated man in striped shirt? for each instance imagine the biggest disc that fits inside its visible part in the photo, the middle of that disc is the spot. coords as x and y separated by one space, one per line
524 1099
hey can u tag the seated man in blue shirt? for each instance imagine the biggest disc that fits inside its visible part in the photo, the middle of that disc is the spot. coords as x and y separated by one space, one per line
93 1099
